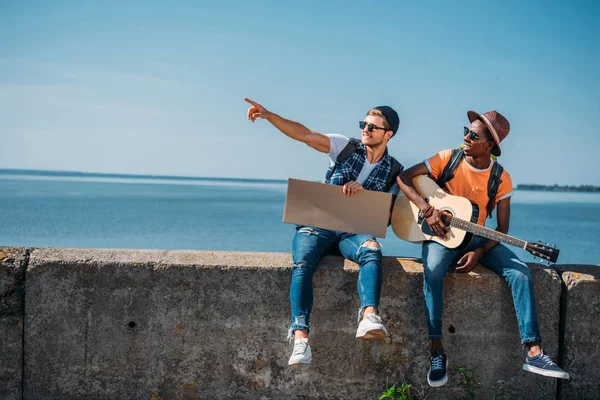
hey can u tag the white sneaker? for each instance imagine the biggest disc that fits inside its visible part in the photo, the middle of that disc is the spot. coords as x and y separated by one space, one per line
371 328
301 353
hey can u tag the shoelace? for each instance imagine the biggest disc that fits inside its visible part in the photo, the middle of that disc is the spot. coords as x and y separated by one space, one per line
300 348
547 359
376 319
436 362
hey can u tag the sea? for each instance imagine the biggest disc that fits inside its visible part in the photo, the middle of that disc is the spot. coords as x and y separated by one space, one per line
79 210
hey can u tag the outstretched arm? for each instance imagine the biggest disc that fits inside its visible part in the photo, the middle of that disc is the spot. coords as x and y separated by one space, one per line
405 181
293 129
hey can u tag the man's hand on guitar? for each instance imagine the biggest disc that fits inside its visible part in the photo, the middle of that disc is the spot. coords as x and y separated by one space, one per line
437 225
469 261
351 188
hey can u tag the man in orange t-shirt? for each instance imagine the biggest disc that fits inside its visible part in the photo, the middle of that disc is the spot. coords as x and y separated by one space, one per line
482 139
469 181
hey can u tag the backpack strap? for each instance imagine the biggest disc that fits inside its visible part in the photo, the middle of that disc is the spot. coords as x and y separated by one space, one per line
351 147
346 152
450 168
493 185
394 172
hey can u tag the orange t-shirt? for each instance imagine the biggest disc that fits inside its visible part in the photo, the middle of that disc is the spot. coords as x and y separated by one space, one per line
469 181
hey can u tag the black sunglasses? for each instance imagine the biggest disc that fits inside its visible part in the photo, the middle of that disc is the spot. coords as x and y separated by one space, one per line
370 127
471 134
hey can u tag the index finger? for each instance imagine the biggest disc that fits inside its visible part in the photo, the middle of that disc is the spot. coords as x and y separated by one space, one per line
251 101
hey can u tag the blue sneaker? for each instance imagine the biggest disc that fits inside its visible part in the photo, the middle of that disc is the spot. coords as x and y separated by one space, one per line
543 365
438 375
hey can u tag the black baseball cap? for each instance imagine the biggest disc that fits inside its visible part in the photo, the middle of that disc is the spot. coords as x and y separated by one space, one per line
391 116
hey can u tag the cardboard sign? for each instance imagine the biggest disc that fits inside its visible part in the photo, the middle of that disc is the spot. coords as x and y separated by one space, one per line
325 206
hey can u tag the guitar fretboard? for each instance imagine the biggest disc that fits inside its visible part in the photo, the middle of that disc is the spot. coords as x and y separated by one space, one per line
485 232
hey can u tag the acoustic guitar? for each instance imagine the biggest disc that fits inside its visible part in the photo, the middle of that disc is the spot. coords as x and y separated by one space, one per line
460 215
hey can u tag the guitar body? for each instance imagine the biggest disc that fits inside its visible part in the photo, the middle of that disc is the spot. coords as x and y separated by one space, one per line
409 225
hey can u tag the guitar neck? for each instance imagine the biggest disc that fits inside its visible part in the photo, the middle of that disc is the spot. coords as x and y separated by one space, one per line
486 232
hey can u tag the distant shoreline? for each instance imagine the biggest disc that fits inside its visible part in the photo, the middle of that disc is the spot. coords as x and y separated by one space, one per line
76 174
559 188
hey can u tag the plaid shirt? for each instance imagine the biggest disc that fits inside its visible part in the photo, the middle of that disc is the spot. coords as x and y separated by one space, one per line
350 169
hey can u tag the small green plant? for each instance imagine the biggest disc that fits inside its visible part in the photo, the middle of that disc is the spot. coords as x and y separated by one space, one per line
398 393
469 382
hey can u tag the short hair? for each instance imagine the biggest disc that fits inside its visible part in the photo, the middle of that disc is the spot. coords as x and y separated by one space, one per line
375 112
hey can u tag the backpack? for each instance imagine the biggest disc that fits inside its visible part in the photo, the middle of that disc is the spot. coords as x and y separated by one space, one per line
493 182
350 148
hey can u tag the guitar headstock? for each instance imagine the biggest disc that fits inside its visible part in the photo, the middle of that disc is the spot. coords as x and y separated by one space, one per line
546 252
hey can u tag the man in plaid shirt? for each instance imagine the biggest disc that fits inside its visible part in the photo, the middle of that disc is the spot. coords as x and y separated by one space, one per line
368 167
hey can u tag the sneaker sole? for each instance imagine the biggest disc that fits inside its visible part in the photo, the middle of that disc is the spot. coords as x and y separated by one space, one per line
373 334
439 383
545 372
305 362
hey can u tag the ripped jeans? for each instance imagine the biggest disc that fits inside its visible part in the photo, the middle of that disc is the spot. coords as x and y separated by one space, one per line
309 246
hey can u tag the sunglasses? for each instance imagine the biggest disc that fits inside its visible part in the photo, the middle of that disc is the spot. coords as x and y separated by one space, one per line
472 135
370 127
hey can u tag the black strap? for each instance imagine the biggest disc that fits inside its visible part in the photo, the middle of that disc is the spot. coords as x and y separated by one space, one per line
493 185
346 152
448 172
394 172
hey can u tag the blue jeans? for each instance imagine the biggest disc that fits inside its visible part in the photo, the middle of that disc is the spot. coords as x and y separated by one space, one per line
437 259
309 246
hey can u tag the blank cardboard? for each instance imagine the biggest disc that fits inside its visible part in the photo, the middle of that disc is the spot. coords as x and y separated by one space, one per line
325 206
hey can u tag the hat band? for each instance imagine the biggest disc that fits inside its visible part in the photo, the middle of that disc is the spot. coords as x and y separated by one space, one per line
491 128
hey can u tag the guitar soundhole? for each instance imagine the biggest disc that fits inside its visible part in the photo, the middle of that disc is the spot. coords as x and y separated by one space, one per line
447 220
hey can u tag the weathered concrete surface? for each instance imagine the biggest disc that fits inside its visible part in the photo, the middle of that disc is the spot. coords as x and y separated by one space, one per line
479 325
199 324
581 344
12 289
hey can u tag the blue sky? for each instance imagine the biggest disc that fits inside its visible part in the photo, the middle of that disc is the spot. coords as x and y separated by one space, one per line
158 87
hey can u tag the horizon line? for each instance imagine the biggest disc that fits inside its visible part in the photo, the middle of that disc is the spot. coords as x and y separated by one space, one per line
44 172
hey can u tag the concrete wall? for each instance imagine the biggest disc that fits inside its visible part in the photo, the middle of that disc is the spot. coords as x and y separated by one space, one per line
199 324
580 350
12 291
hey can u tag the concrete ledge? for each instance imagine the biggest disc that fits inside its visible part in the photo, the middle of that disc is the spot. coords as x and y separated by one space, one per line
200 324
12 291
581 319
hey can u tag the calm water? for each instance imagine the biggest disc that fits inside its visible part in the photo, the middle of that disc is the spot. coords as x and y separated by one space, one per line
114 212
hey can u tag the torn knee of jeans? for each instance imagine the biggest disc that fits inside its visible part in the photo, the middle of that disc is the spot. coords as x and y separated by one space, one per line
371 245
300 264
309 231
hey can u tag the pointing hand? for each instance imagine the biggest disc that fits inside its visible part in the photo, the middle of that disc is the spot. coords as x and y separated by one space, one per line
256 111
